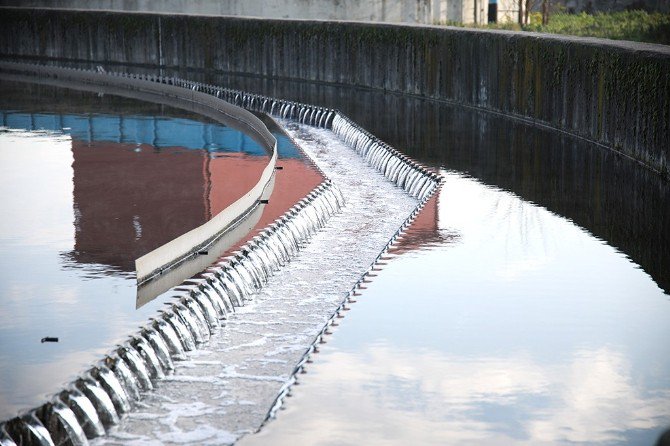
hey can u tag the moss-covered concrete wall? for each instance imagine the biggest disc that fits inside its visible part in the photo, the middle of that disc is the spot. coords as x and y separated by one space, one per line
614 93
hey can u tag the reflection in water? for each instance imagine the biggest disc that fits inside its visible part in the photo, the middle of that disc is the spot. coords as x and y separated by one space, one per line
520 328
517 326
131 197
385 395
425 232
129 202
296 179
79 206
611 197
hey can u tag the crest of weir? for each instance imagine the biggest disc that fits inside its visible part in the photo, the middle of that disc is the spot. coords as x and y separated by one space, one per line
95 401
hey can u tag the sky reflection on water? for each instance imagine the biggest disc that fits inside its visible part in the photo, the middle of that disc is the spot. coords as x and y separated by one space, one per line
34 287
519 328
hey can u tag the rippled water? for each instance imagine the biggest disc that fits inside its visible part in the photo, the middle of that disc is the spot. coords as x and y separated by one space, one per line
89 185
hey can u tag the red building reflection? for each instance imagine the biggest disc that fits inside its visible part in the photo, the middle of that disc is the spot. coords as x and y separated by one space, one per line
425 232
129 200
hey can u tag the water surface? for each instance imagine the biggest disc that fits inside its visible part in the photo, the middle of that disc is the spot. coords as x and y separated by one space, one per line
517 327
528 304
90 183
226 387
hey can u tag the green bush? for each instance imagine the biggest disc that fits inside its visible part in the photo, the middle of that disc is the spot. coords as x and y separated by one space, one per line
638 26
627 25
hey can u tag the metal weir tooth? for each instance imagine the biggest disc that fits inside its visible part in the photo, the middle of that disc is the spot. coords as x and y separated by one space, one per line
276 243
5 438
85 412
286 236
125 376
317 213
232 291
293 231
183 332
221 300
159 346
299 222
136 365
261 246
218 276
61 423
170 337
252 256
198 319
268 260
149 356
28 430
267 251
302 233
215 294
253 261
247 272
207 309
311 221
270 240
239 280
100 400
325 206
285 242
188 321
113 387
412 178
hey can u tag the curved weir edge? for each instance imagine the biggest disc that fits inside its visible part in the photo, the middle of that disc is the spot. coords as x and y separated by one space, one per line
179 249
343 306
395 165
94 402
377 153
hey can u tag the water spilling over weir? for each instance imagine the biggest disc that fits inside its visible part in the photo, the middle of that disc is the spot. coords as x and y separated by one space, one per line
237 334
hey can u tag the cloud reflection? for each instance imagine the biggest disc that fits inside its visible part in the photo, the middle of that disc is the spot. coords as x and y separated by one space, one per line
388 396
598 402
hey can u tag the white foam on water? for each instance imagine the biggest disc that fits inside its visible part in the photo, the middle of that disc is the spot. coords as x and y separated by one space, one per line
225 389
186 379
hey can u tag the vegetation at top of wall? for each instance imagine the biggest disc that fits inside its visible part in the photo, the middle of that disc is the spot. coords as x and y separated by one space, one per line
639 26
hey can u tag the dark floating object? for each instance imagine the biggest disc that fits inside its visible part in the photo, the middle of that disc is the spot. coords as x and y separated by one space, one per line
203 253
49 339
279 167
263 201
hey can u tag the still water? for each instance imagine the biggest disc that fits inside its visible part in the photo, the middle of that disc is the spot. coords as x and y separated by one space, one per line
528 304
89 184
519 327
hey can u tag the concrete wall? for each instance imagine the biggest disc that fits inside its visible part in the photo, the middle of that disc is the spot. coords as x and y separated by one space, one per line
613 93
393 11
